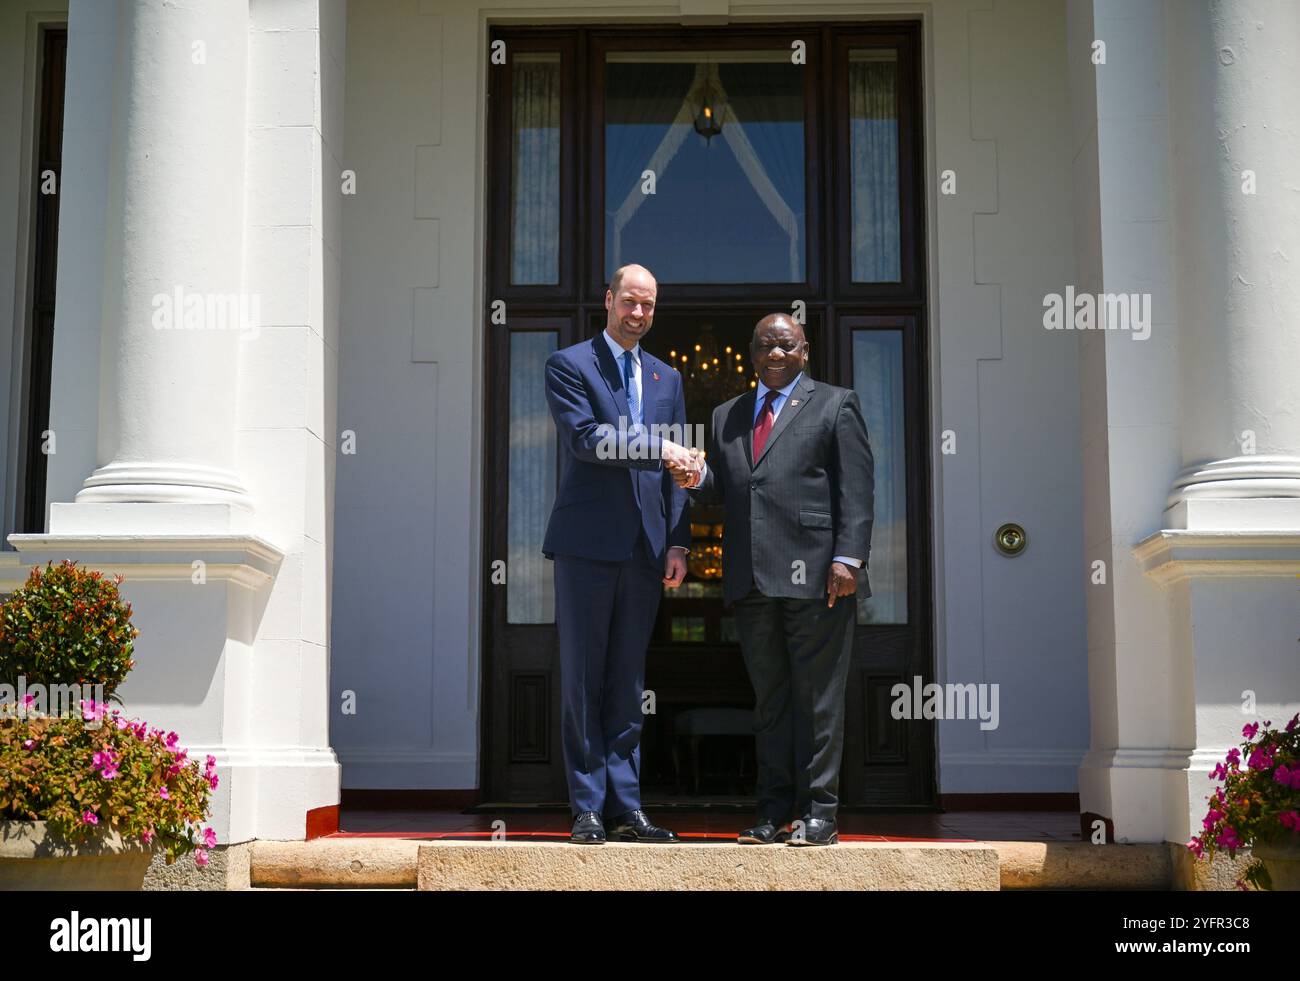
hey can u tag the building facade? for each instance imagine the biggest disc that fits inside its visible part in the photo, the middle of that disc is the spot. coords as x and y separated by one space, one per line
278 322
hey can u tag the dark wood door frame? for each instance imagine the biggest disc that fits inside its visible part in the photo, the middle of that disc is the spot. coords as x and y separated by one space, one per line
838 304
37 343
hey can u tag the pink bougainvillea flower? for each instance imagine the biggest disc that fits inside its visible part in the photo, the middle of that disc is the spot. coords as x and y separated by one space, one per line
91 710
1196 847
1248 731
28 743
1212 818
1290 819
109 772
1295 721
172 739
162 792
1219 772
90 817
147 836
212 780
1234 756
28 700
1261 758
209 838
1227 838
200 857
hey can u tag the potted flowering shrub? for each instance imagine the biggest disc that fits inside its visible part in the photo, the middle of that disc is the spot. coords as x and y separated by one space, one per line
1258 807
86 796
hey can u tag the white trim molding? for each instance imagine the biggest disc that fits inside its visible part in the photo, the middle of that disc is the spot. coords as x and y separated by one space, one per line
1172 555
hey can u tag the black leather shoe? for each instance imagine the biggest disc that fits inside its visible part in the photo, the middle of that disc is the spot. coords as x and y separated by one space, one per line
635 826
815 831
764 833
587 829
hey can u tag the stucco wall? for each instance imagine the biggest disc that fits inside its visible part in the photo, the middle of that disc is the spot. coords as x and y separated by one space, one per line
408 511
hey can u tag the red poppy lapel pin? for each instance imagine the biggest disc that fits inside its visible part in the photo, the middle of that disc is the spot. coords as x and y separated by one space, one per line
654 375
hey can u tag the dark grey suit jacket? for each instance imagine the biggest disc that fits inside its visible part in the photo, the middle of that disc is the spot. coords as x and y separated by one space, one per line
809 497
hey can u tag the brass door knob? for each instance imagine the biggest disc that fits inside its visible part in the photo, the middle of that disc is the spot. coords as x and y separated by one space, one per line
1010 539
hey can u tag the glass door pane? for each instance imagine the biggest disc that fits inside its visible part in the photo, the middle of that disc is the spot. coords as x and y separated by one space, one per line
535 169
873 147
704 165
878 380
530 483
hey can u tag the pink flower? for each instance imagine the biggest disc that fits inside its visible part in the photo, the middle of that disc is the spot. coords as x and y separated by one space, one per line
1288 776
90 817
212 780
162 792
209 838
1227 838
200 857
28 743
102 759
1196 847
28 700
1234 756
147 836
171 739
109 772
1211 819
121 723
1260 758
1290 819
1295 720
1219 772
91 710
1249 731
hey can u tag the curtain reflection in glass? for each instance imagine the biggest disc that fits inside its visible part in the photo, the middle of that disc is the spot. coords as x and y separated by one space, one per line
725 209
530 585
535 180
873 146
878 380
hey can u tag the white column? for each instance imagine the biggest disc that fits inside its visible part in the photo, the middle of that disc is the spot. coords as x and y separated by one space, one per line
1233 85
167 420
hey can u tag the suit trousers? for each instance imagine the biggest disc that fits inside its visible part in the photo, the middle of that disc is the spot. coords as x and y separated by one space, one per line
604 614
797 653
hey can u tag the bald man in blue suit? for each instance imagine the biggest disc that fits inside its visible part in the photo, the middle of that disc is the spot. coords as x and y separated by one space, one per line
619 532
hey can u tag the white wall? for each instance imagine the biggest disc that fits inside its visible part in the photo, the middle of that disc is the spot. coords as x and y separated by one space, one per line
408 511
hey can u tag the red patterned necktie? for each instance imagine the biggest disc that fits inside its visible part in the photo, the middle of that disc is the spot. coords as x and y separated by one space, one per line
763 425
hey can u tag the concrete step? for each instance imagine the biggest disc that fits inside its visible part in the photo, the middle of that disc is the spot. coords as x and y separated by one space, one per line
412 863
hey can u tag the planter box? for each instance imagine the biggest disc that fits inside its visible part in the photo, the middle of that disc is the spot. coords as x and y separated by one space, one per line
1282 859
32 859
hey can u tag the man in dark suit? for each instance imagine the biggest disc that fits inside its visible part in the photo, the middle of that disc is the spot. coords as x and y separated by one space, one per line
791 463
618 533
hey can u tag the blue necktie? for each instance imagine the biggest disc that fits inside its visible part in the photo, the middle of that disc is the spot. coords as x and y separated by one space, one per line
633 399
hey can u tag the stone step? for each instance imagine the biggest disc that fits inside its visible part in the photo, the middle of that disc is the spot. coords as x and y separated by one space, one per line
410 863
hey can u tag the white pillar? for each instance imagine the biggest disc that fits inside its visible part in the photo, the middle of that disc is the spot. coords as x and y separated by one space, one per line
1233 85
167 419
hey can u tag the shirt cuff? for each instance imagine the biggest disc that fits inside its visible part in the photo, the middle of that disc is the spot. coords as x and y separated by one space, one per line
856 563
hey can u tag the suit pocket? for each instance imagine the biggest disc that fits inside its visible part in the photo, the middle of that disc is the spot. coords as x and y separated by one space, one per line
815 519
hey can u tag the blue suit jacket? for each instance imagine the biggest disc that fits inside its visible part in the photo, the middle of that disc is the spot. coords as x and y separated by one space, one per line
604 497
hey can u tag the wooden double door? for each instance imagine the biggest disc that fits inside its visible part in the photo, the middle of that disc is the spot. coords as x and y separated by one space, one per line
774 169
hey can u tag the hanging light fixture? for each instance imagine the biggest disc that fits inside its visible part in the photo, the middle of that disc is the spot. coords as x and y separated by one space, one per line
707 121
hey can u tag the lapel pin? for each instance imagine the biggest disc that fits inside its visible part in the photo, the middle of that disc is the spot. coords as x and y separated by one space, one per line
794 401
654 375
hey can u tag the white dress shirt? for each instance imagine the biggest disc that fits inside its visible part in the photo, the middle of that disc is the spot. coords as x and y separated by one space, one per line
618 350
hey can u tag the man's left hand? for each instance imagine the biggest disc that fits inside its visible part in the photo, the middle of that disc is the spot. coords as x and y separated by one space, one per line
840 581
674 568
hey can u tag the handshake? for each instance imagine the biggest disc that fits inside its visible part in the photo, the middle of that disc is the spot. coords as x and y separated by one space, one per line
685 465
